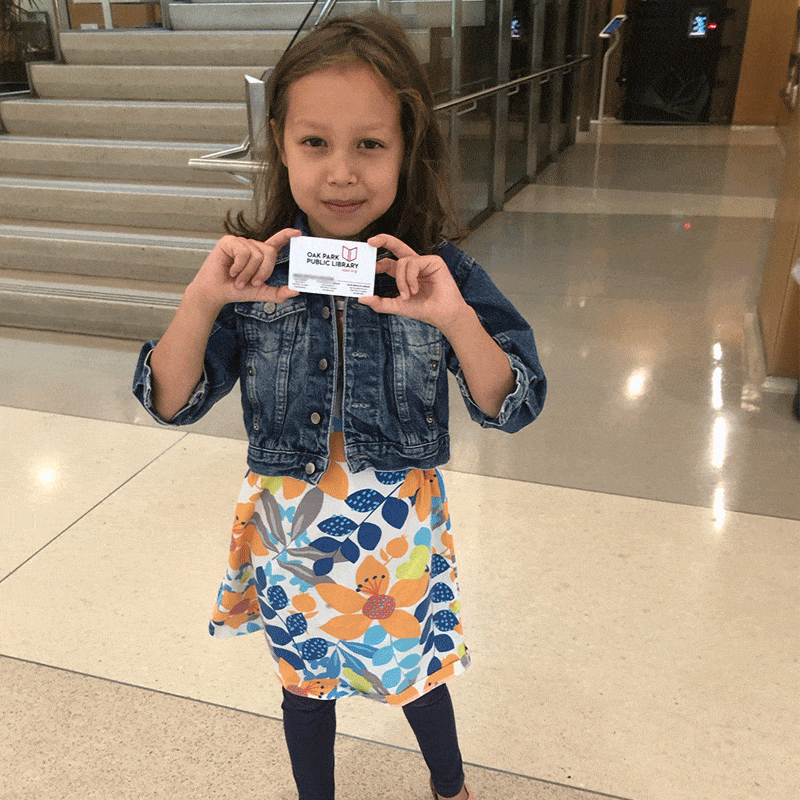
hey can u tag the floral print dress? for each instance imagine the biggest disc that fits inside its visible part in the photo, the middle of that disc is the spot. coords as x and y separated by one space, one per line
353 581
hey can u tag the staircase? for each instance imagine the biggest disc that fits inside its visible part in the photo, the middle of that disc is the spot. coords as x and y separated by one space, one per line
102 221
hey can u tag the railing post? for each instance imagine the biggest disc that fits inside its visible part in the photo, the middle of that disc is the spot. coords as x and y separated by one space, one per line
456 25
558 80
60 23
577 73
257 110
166 20
497 184
535 91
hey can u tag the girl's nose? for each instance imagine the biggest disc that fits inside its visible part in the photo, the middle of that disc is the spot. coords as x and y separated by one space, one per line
340 170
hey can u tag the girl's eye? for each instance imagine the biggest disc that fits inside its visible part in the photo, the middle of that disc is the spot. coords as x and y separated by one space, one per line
370 144
314 141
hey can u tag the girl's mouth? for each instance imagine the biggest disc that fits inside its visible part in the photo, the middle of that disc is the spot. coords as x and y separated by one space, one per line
343 207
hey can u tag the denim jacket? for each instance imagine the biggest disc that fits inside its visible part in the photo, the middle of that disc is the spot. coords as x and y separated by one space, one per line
395 398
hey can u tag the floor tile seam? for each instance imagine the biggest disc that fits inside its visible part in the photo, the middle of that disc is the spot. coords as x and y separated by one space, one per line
554 188
675 192
353 737
605 213
621 495
593 211
94 507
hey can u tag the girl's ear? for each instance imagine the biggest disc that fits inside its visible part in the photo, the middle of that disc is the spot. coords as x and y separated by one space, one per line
278 140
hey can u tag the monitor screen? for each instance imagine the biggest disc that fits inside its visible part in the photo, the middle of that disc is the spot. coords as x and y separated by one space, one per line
698 23
612 26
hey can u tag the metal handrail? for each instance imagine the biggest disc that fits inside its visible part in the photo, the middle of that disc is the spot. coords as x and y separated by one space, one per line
469 98
222 160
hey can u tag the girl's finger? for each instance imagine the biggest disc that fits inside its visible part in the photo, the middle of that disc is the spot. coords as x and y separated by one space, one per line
250 268
381 305
412 276
386 265
262 273
283 293
240 256
267 253
400 278
392 244
281 238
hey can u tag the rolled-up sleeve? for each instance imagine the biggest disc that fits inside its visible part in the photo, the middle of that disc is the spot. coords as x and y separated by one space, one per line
515 338
220 373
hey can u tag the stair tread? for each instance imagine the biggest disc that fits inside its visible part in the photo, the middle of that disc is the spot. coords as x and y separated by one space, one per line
165 68
56 101
118 33
69 285
128 187
110 234
11 138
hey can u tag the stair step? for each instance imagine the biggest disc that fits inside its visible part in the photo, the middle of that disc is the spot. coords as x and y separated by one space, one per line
105 159
174 48
277 15
103 119
140 256
183 208
126 310
103 82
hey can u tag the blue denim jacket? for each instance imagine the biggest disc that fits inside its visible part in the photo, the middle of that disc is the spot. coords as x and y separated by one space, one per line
395 398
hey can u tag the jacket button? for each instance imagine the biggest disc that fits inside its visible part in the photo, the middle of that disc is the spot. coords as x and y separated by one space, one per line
323 364
429 418
316 418
326 312
269 308
256 426
311 468
251 371
434 366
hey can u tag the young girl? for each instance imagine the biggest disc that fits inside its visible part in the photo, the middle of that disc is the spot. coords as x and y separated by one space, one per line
341 549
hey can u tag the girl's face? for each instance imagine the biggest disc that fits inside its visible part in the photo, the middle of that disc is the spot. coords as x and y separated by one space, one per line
343 147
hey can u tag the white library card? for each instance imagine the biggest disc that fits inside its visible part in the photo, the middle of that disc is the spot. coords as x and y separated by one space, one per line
331 266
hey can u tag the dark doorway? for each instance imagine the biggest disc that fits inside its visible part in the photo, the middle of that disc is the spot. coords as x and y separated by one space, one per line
681 59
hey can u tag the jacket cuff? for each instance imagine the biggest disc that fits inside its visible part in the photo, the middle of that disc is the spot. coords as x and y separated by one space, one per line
514 413
143 390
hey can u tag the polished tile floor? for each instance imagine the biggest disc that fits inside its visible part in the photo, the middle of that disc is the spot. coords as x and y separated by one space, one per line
635 550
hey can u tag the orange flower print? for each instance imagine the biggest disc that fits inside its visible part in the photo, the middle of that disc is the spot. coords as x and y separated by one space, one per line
425 484
372 601
291 680
236 609
441 675
335 482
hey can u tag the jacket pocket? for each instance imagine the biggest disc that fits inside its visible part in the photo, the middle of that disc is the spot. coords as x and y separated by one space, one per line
417 352
270 332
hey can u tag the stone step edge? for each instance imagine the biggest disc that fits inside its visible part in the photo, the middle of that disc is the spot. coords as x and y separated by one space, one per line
169 190
113 237
99 232
148 104
130 297
21 138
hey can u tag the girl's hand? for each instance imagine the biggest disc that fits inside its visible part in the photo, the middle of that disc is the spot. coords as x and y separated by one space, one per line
237 268
427 289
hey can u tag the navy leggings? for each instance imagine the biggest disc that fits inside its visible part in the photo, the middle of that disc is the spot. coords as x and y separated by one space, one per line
310 727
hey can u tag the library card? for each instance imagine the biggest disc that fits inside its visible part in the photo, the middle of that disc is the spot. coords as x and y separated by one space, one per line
331 266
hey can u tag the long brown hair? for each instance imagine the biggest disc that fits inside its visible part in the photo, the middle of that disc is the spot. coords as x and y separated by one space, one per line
422 209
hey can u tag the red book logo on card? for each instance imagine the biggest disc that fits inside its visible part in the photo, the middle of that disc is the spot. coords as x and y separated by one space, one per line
349 253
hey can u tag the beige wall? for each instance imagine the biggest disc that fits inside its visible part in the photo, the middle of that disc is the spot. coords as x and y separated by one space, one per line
125 15
779 303
770 33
